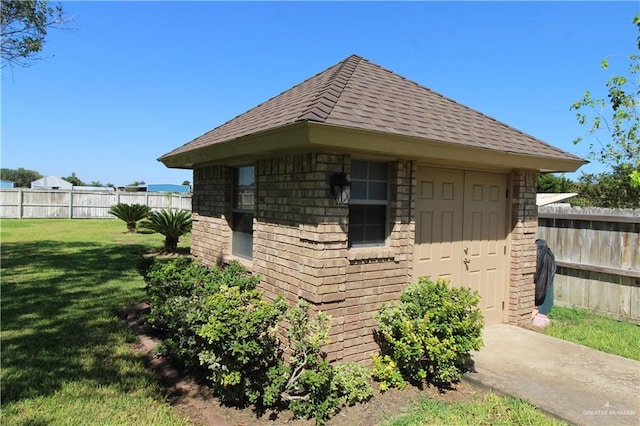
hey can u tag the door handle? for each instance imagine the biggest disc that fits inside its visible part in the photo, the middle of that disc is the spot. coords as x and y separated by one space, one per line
466 261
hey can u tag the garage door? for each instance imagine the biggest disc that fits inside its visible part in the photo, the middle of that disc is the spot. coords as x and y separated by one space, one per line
461 233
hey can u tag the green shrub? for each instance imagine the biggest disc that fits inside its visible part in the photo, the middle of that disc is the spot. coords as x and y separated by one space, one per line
325 388
386 371
308 374
216 319
181 343
310 385
239 329
428 335
176 290
130 213
319 401
189 278
145 264
351 382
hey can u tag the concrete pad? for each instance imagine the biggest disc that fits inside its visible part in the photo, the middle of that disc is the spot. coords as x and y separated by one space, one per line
575 383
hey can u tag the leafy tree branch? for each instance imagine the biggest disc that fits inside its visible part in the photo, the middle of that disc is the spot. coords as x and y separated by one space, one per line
617 115
24 26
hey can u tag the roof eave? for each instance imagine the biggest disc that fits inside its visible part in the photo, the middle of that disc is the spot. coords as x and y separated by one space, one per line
283 138
379 143
305 135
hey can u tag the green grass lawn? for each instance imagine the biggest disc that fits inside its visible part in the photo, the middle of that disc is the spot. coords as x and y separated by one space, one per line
489 409
66 357
595 331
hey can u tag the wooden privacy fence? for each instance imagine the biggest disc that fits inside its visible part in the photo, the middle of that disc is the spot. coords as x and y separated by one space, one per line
597 256
51 204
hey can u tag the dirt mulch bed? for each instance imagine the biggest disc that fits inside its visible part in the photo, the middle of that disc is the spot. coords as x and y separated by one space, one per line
196 402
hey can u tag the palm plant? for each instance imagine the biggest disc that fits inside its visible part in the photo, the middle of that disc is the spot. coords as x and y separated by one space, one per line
130 213
170 223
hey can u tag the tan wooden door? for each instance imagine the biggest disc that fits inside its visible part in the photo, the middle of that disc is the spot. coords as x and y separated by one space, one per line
439 215
460 233
484 240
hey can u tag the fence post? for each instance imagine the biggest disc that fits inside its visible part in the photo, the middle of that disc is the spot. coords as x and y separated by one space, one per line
20 203
71 204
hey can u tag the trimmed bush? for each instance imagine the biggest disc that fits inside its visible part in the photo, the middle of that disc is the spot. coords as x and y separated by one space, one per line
428 335
351 382
187 277
177 292
240 342
216 319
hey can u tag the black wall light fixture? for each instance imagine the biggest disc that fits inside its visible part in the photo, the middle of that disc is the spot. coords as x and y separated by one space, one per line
341 187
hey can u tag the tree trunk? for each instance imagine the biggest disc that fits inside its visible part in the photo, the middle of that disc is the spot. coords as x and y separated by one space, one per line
170 244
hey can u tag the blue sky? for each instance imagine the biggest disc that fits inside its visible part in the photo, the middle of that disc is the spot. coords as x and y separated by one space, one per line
135 80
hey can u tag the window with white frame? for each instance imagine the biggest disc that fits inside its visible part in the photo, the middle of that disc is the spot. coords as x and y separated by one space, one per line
244 189
368 205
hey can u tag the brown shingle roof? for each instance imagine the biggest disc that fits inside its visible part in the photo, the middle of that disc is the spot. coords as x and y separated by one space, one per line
359 94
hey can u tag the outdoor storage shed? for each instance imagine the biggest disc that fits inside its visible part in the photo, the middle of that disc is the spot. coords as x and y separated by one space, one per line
437 189
51 182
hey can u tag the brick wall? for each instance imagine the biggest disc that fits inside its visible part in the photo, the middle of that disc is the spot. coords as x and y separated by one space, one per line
211 234
376 276
300 242
524 223
300 237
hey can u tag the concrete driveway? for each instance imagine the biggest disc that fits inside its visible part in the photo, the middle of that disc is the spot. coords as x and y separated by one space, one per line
572 382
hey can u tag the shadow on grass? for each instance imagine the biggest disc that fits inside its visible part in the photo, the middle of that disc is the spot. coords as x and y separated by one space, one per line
59 316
